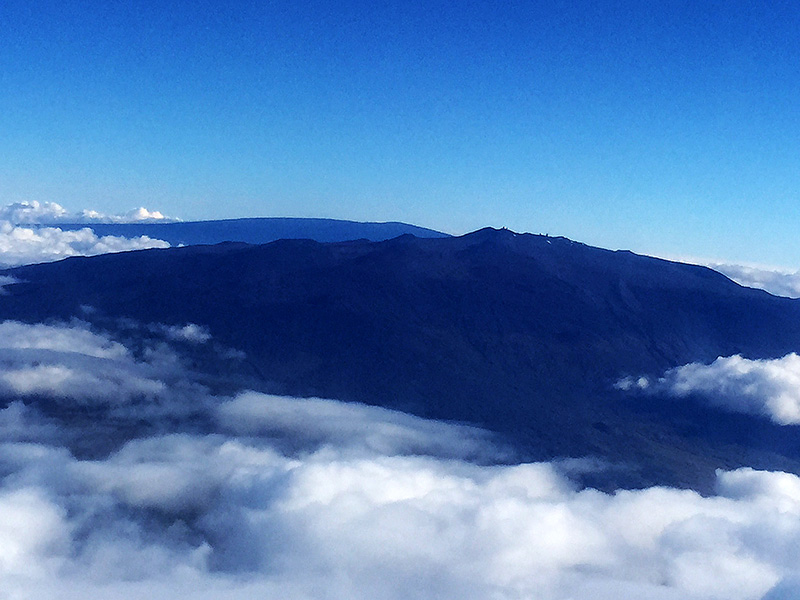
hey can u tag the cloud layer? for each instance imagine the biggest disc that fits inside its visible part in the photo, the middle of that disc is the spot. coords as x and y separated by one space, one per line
216 515
769 388
777 281
263 496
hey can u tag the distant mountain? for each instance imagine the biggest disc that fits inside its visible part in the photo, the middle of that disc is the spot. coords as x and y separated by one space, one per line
522 334
257 230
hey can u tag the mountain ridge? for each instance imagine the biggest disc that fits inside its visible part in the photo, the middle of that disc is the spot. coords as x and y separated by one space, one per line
256 230
522 334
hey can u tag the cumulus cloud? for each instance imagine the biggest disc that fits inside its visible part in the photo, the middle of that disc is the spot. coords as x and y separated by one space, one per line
34 532
768 388
50 213
778 281
27 245
137 215
366 503
33 213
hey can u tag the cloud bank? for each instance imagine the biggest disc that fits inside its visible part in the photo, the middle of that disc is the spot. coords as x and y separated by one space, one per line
779 282
29 233
252 495
190 332
769 388
50 213
28 245
224 517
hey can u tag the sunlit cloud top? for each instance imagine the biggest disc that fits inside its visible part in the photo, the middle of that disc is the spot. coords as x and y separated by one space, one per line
30 233
51 213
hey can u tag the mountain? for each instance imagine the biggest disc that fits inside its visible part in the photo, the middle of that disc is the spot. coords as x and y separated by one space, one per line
256 230
524 335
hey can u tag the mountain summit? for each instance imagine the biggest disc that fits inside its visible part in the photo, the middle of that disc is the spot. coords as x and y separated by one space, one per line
526 335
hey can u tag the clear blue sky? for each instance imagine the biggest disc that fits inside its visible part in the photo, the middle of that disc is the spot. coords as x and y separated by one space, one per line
672 129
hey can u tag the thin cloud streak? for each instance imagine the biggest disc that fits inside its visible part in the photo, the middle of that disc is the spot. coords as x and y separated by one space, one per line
778 281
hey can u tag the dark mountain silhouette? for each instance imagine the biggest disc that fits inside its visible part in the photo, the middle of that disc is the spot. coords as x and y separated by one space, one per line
522 334
257 230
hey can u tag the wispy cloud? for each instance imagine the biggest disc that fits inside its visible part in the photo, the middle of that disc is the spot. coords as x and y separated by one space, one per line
776 281
190 332
74 365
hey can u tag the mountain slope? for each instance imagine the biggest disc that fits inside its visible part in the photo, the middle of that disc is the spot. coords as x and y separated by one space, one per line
522 334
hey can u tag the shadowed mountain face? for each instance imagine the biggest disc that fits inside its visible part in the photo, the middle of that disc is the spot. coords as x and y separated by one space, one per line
524 335
258 230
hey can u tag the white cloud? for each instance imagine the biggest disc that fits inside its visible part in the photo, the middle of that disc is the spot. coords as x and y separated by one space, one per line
190 332
29 233
776 281
50 213
364 503
238 516
175 474
137 215
355 426
769 388
20 245
34 533
7 280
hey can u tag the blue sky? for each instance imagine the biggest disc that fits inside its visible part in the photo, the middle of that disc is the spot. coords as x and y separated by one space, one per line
668 130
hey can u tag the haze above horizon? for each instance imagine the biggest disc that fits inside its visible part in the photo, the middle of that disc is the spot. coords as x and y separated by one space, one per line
668 130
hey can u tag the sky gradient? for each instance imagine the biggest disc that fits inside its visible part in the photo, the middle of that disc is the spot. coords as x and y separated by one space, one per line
671 130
